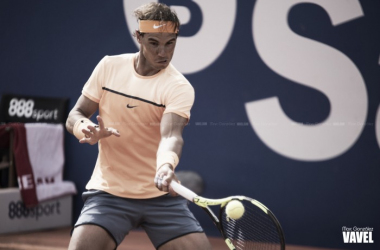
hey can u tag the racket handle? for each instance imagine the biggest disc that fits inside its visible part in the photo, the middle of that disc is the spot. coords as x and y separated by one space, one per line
183 191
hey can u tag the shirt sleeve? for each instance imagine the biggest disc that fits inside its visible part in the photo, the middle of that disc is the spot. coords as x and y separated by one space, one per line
180 100
93 89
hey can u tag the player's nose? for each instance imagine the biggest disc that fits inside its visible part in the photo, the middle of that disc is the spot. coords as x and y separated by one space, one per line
161 51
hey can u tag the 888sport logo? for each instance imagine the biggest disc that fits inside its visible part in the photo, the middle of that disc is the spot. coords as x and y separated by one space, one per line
23 108
17 210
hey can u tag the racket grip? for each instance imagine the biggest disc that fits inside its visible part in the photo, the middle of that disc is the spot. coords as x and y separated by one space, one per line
183 191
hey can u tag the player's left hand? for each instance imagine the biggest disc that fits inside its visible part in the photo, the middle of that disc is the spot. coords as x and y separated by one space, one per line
164 176
94 133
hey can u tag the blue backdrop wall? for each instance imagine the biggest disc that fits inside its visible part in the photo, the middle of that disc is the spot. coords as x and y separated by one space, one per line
287 98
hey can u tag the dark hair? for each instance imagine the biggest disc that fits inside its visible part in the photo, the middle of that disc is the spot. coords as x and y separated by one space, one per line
158 12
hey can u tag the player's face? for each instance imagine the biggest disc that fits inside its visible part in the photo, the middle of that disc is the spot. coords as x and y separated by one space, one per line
157 49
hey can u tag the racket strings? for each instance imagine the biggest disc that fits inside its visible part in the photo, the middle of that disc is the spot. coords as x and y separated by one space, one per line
254 230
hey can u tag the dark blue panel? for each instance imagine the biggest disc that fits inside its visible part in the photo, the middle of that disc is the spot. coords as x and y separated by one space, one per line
49 48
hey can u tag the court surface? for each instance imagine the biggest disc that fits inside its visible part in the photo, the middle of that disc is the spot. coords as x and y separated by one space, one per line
58 239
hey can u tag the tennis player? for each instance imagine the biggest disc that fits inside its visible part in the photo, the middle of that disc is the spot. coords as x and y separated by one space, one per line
144 104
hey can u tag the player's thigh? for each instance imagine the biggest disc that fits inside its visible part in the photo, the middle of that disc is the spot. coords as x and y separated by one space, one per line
91 237
191 241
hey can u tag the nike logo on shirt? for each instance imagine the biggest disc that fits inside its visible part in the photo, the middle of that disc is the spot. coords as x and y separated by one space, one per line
130 107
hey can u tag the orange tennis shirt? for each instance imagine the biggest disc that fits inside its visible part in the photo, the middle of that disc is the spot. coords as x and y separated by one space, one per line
134 105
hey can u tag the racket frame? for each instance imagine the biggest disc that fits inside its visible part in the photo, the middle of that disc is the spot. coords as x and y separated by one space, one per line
266 210
205 203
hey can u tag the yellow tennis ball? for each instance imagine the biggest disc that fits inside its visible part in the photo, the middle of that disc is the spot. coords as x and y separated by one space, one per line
235 209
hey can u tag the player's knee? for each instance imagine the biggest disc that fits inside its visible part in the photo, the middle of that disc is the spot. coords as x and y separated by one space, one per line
191 241
91 237
204 243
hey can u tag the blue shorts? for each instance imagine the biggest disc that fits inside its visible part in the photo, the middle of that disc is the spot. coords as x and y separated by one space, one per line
163 218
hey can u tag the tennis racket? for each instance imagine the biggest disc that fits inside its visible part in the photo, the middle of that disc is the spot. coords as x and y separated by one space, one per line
257 228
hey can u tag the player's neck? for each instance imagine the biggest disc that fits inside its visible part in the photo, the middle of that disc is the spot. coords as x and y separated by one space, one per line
143 68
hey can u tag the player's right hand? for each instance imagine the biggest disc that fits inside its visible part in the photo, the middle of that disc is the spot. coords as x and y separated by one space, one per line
94 133
164 176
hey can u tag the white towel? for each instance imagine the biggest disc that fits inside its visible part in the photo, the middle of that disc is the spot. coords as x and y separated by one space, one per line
45 144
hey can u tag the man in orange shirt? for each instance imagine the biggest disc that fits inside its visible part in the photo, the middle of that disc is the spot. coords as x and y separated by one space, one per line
144 104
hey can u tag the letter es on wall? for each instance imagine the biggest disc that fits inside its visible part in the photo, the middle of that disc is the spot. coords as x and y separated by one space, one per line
316 65
193 53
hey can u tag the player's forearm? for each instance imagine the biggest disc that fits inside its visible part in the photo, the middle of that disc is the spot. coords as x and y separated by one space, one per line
171 144
74 115
170 147
84 108
169 152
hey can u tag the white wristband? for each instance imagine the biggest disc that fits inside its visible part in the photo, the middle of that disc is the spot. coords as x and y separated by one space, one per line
79 125
169 157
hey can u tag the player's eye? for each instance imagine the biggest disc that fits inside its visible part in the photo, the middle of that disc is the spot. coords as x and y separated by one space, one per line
170 42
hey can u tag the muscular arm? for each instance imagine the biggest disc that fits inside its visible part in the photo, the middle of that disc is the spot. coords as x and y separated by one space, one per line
171 133
171 140
84 108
